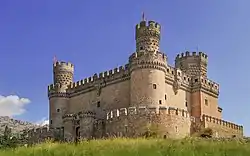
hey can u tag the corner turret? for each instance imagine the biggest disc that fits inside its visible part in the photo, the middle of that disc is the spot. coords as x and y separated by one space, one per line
194 64
57 92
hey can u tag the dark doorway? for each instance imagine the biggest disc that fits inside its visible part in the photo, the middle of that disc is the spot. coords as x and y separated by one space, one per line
77 134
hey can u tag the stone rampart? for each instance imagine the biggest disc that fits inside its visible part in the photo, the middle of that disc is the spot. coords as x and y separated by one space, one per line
132 122
41 134
102 77
222 128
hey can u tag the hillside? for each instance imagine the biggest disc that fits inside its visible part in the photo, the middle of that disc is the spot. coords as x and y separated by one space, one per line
15 125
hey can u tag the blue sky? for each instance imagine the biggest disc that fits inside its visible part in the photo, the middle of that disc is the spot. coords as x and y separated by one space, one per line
99 35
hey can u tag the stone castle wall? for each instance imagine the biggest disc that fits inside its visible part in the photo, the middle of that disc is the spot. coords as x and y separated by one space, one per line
222 128
135 121
39 135
145 91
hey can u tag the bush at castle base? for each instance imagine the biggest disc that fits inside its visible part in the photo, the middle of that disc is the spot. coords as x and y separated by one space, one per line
139 147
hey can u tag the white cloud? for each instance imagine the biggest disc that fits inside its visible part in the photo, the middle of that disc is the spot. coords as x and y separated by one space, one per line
42 122
12 105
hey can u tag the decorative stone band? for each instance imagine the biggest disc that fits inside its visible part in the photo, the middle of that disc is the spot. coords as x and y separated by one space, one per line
144 55
57 94
214 120
68 117
148 66
195 56
143 111
148 33
86 114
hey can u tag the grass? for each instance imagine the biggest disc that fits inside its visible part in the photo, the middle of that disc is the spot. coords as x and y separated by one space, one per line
136 147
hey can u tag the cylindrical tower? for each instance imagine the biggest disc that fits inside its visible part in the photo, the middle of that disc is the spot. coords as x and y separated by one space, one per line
63 73
58 97
147 67
147 36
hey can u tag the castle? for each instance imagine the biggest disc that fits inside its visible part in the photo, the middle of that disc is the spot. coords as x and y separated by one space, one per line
146 92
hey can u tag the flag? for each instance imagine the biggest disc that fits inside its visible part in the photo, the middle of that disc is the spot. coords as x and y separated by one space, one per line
54 59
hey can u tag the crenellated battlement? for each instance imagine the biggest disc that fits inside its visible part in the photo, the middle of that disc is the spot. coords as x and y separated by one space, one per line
209 119
173 73
200 81
144 56
62 63
63 66
148 25
54 87
195 55
107 76
43 132
144 111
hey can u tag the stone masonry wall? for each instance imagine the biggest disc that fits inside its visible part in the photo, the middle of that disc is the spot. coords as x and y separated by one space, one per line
222 128
132 122
41 134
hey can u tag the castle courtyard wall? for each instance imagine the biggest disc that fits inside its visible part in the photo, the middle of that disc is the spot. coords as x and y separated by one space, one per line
113 96
177 100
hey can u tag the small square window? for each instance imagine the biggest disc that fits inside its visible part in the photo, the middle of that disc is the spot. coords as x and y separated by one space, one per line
206 102
98 104
154 86
58 110
160 102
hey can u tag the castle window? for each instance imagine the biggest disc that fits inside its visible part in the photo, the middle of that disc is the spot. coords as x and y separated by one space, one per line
165 97
184 78
141 48
179 74
196 80
186 103
50 121
160 102
176 129
206 102
154 86
58 110
98 104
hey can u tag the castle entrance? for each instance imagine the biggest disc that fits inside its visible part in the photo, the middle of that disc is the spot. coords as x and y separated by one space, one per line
77 134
